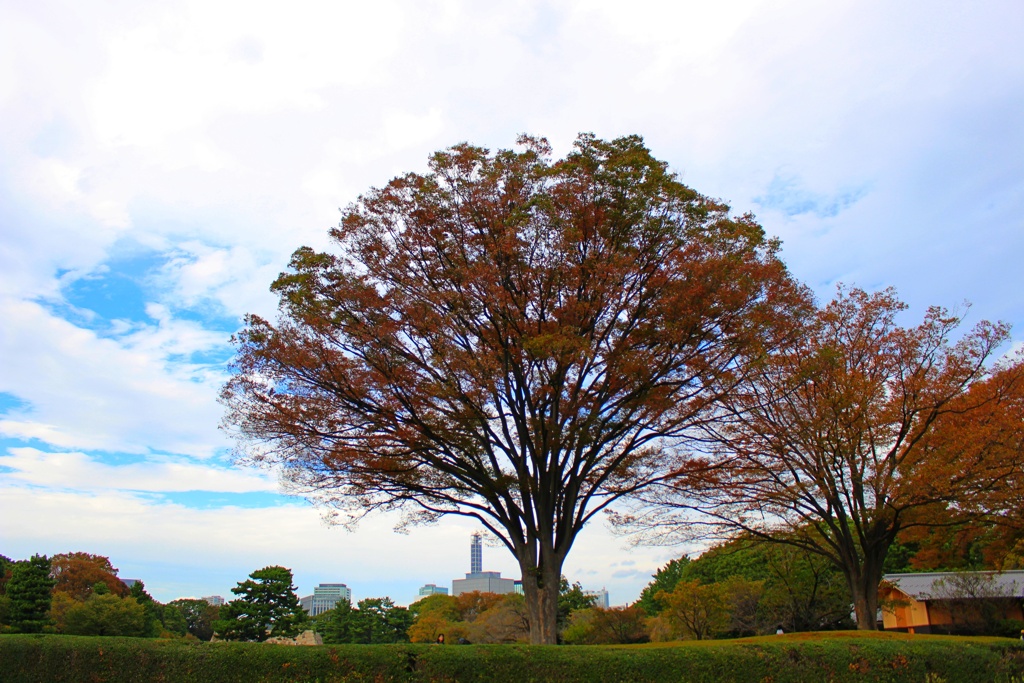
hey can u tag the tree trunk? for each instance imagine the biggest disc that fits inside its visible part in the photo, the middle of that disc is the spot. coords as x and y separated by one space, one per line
863 582
540 588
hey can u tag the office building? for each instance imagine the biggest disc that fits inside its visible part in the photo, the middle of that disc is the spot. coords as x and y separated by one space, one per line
477 579
600 598
325 596
214 600
432 589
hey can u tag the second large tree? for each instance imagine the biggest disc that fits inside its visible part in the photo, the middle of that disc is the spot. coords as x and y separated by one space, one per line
509 338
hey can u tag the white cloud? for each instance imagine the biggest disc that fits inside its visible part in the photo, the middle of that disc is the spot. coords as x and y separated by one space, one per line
94 393
182 551
81 472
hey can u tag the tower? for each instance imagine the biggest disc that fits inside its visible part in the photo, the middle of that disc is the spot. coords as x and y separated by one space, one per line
476 554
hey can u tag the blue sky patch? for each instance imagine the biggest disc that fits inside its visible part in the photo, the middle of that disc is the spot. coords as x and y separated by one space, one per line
10 403
788 195
209 500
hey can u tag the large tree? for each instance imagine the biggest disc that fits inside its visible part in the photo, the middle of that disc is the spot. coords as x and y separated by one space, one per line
831 445
510 338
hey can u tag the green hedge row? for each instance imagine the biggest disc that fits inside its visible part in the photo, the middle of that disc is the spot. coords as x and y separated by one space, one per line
32 658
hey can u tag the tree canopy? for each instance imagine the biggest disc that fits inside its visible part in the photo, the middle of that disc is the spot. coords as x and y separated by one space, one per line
266 606
510 338
29 593
78 573
832 445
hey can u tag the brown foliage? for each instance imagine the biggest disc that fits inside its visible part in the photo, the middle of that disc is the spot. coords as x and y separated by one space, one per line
614 626
77 573
508 338
835 443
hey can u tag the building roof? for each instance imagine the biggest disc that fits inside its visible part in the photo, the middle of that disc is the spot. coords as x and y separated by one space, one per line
925 586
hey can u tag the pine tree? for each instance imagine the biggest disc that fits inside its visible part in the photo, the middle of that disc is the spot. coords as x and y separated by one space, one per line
267 606
29 594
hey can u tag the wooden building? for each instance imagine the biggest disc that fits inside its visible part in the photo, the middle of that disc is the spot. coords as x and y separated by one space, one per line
950 602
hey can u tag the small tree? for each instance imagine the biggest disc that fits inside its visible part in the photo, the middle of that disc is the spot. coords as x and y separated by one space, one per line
378 620
29 592
107 615
570 599
697 610
199 616
615 626
267 605
665 581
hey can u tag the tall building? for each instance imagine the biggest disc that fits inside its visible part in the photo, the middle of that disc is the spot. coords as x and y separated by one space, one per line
600 597
477 579
476 554
325 596
432 589
214 600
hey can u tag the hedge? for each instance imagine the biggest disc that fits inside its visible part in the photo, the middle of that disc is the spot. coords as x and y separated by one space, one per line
835 658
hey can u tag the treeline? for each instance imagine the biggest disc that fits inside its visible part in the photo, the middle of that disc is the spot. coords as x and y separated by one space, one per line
742 587
267 607
79 594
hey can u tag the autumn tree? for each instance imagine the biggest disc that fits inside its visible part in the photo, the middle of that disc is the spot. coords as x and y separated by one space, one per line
829 443
697 610
266 605
78 573
514 339
614 626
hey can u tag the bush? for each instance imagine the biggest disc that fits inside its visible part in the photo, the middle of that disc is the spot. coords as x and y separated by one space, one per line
837 658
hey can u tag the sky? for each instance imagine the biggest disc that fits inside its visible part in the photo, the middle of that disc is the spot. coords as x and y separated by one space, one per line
160 161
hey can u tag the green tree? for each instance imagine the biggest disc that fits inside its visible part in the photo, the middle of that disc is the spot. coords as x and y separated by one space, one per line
29 592
154 610
571 598
172 620
378 620
799 590
6 565
267 605
198 616
337 626
107 614
665 581
509 338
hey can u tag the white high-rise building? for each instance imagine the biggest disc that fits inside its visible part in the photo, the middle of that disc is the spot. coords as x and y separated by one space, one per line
325 596
600 597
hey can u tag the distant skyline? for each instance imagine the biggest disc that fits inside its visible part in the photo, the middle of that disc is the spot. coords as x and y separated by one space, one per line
159 162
